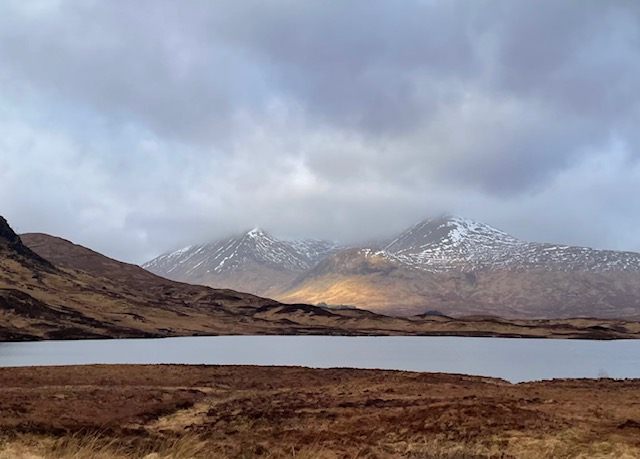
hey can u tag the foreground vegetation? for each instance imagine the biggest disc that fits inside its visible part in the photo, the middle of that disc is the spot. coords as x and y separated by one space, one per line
179 412
566 444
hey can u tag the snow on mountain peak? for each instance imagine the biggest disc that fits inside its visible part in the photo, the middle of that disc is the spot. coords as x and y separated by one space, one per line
256 232
447 243
238 252
447 232
459 244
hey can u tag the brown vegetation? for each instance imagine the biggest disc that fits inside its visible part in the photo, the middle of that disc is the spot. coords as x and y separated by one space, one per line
246 412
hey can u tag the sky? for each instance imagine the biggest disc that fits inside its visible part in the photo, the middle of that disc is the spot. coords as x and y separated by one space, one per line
138 127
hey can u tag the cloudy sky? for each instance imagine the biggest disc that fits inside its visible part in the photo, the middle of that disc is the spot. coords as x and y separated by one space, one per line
138 127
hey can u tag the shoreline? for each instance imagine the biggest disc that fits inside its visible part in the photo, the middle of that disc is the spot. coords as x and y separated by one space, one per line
571 329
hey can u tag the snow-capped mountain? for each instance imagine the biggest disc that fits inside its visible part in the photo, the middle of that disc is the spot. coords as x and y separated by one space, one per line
451 264
259 259
454 243
447 243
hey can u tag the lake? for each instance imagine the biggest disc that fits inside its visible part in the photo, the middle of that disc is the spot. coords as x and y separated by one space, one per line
513 359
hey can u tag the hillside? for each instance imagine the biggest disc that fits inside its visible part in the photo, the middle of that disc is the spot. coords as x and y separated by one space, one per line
449 264
51 288
77 293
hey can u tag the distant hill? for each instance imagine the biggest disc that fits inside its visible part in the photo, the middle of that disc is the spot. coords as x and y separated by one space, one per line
450 264
51 288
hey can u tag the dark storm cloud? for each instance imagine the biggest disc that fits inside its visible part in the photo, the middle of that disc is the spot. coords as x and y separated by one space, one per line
138 126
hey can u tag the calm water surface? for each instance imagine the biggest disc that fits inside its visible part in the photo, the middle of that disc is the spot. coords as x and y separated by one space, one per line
512 359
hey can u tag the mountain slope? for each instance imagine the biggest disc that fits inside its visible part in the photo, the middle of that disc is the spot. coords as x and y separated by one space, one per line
253 261
12 248
461 267
89 295
383 286
78 293
449 264
54 289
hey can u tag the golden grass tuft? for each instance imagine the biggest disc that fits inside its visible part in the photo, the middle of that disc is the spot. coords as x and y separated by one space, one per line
566 444
97 446
187 450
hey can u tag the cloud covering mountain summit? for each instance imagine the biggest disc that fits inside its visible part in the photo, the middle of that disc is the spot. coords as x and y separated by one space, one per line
172 122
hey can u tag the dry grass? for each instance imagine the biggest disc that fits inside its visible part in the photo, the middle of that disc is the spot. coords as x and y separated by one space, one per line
162 412
97 446
571 444
190 447
565 445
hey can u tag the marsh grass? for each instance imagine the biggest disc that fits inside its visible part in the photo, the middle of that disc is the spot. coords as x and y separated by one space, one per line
97 446
567 444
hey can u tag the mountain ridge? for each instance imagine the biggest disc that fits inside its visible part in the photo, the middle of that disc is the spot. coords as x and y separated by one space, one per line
453 264
252 259
51 288
454 243
11 245
89 295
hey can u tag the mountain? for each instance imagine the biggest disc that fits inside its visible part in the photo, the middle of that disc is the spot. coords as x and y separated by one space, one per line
51 288
455 266
458 244
253 261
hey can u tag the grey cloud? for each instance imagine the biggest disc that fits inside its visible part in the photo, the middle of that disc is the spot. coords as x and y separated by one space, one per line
135 127
356 63
127 64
